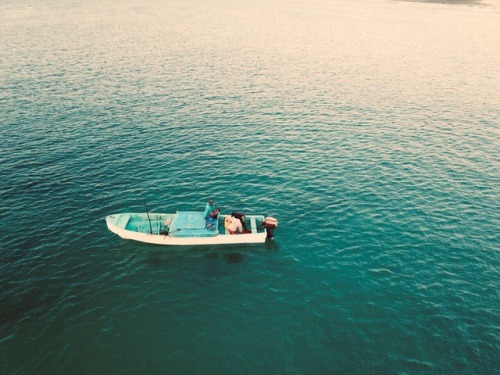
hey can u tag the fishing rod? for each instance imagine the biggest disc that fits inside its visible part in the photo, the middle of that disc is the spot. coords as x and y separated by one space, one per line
147 213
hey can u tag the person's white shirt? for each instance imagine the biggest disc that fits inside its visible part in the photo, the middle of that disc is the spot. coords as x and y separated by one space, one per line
234 225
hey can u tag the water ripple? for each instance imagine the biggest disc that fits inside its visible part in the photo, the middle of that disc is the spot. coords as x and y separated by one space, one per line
376 147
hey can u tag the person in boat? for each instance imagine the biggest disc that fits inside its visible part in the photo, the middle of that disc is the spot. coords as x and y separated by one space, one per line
209 208
214 214
212 217
233 225
241 216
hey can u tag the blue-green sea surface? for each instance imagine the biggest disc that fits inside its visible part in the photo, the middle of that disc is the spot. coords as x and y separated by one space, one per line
369 128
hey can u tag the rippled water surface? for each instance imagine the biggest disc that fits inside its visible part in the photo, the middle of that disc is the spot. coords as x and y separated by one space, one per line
370 129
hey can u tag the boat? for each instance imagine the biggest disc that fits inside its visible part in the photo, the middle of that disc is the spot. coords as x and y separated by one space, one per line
189 228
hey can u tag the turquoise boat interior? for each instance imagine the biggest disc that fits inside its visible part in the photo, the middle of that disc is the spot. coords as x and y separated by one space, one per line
193 224
183 224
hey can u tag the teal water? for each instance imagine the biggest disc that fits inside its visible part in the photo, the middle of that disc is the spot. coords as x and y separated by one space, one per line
370 129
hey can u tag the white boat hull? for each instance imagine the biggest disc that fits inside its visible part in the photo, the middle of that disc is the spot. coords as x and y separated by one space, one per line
137 227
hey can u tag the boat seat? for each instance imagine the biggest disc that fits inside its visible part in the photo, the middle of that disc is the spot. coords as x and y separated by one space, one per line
122 221
253 225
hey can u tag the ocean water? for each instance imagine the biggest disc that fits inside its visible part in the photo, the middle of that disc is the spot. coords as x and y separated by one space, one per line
369 128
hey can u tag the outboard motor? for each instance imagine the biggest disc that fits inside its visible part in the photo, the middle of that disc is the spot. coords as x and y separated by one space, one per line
270 223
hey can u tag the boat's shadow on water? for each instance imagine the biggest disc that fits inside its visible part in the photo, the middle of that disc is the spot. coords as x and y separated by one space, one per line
159 256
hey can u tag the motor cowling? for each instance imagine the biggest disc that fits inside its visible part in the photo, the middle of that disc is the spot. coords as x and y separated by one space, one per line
270 223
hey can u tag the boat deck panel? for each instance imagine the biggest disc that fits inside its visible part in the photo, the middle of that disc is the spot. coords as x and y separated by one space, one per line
192 224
